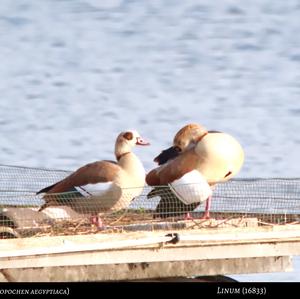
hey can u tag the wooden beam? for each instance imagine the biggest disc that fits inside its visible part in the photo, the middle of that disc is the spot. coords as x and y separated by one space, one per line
133 240
155 270
156 254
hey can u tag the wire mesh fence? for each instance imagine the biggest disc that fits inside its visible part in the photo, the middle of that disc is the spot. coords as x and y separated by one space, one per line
239 202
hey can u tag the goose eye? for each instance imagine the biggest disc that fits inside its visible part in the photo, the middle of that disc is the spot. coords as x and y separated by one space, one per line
177 149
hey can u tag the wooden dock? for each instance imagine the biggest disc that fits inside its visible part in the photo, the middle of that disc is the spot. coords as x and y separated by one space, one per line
145 255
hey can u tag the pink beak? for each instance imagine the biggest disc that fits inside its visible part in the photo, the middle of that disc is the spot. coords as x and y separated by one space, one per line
141 141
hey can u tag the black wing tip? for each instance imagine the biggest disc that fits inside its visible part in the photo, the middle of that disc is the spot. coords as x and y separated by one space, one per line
46 189
154 192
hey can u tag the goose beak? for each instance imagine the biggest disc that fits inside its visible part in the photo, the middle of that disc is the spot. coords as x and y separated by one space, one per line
141 141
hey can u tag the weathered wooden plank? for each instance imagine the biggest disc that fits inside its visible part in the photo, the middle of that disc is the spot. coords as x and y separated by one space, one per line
186 239
155 270
146 255
22 243
157 254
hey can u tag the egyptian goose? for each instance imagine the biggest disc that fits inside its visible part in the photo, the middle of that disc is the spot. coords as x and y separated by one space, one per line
112 184
170 205
203 158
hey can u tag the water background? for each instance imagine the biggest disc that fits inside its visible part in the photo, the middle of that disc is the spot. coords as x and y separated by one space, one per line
75 73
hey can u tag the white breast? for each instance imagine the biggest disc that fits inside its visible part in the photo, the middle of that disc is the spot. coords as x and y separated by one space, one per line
191 188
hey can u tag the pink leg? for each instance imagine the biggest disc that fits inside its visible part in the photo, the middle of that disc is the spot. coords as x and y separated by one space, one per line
96 220
206 215
207 208
188 216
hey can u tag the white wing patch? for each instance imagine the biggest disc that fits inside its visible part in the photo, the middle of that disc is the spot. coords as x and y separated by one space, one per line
192 187
95 189
56 213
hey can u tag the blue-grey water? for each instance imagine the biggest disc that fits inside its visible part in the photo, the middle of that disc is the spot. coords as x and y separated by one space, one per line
75 73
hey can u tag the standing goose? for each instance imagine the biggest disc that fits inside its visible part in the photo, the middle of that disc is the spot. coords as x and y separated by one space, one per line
203 159
112 184
170 204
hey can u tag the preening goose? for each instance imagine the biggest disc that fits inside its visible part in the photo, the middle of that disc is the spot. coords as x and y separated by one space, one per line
112 184
170 204
184 139
204 159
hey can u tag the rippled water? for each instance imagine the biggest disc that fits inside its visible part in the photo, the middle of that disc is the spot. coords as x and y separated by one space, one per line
75 73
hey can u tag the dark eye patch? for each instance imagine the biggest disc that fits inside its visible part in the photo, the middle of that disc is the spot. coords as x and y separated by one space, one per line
128 135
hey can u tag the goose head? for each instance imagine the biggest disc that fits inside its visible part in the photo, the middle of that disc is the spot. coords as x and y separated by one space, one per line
185 138
126 141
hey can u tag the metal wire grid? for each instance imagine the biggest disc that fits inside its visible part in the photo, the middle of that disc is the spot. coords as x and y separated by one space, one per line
269 200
